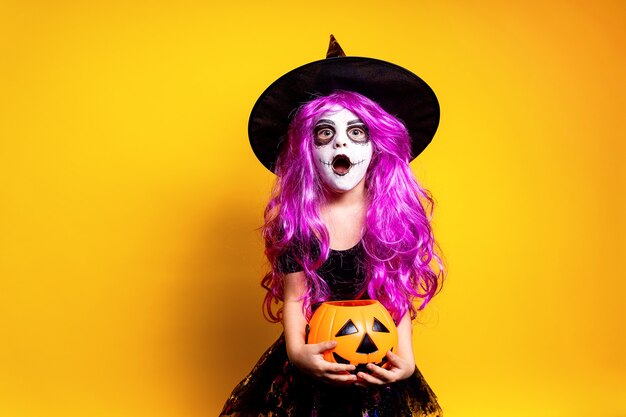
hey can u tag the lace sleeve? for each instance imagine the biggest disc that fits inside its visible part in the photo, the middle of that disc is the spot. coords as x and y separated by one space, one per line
287 263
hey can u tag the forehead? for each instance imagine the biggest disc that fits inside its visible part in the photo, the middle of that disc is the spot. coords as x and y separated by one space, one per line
339 114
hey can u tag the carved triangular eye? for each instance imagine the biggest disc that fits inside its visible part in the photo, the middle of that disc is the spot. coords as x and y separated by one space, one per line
348 328
379 327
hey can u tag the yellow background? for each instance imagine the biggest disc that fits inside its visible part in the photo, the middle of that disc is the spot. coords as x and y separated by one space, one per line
129 198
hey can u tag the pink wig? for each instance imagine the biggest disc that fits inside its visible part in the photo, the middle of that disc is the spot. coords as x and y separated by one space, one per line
401 260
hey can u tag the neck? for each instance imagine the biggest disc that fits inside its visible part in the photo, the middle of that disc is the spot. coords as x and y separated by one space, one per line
353 197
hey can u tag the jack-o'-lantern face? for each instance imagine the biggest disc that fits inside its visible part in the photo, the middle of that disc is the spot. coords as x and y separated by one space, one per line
363 329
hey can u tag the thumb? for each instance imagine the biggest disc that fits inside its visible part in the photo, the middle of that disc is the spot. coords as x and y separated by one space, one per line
394 359
324 346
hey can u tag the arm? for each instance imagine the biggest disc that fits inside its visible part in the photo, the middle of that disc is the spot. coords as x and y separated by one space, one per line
401 366
308 358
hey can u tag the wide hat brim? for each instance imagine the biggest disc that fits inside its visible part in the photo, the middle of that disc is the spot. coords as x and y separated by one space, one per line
397 90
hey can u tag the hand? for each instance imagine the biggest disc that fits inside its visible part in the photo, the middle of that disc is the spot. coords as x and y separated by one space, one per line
310 359
398 369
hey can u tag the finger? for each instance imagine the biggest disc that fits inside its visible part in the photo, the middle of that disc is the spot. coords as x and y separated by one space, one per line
324 346
338 367
394 360
370 379
380 373
341 377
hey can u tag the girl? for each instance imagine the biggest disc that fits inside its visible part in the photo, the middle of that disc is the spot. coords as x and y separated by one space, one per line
346 220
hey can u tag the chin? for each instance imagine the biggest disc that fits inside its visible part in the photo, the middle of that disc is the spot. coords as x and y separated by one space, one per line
341 183
342 187
340 190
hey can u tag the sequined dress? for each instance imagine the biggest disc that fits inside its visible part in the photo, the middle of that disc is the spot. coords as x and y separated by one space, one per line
277 388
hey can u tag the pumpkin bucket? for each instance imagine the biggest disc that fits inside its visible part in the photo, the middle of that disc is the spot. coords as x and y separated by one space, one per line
363 329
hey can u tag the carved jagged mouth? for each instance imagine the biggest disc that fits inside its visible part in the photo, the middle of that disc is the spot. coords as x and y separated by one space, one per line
341 164
362 367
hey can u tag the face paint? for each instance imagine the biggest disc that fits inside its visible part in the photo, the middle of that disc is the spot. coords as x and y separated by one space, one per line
343 150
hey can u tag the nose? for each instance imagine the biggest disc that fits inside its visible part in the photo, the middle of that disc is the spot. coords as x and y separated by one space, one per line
341 140
367 345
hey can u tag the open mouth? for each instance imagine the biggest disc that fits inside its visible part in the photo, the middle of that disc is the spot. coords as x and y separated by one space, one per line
341 164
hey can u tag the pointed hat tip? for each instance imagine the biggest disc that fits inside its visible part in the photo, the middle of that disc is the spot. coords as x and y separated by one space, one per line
334 50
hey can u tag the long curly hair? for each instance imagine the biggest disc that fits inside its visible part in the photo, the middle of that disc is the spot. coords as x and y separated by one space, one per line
401 255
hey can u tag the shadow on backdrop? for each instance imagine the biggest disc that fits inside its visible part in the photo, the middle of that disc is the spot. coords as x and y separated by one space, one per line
220 330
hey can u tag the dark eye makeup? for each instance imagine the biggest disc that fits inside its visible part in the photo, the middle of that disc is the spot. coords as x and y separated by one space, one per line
358 133
325 132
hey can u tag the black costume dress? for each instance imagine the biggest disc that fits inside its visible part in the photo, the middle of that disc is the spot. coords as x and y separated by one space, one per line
277 388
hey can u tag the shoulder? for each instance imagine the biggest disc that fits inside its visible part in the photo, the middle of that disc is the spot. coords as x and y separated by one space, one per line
292 257
287 262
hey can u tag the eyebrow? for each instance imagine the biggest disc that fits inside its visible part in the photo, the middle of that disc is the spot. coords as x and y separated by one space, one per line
330 122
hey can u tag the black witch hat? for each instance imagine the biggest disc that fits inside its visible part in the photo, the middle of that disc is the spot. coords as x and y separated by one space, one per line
397 90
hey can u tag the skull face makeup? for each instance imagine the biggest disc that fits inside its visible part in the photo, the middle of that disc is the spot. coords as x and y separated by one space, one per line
343 150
